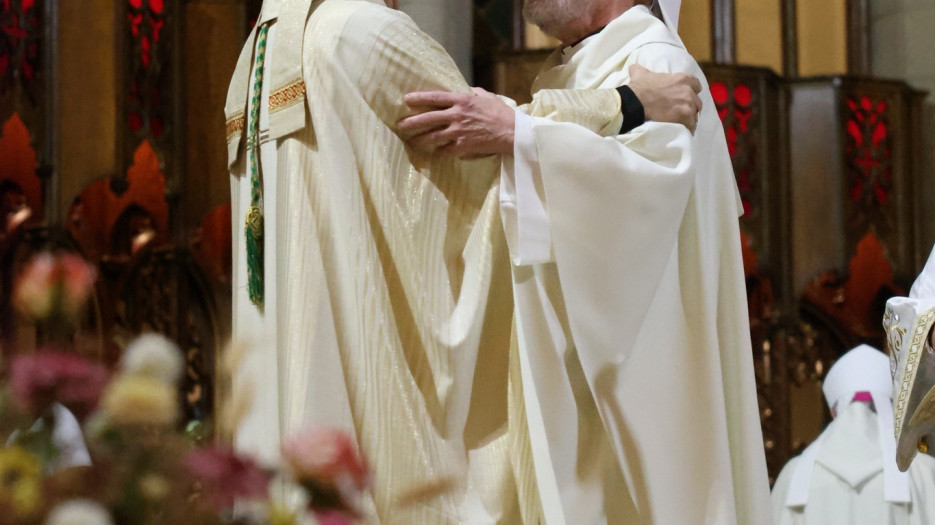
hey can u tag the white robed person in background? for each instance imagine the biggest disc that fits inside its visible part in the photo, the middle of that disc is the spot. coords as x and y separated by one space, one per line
629 294
848 475
383 302
908 322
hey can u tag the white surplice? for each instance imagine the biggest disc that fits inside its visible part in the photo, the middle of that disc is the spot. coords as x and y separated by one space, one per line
631 307
909 322
846 483
388 307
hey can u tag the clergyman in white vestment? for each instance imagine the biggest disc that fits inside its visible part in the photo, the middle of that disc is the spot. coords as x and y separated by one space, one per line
630 301
385 305
908 322
848 475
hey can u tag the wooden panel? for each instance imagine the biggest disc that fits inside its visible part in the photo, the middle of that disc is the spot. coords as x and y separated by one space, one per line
86 66
822 32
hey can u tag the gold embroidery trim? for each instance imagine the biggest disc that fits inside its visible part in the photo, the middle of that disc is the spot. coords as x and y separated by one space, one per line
287 96
912 360
235 126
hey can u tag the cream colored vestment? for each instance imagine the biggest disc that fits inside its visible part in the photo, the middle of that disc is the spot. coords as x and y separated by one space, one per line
631 307
388 301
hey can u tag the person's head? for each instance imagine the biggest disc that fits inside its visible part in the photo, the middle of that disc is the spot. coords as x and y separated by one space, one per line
572 20
861 374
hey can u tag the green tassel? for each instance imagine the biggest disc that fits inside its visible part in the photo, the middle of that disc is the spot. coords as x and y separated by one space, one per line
253 231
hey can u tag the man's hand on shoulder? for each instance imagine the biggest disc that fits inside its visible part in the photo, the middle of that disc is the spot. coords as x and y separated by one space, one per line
667 97
458 124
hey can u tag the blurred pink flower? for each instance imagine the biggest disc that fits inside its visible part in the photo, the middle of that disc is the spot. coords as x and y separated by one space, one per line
54 284
226 477
324 454
324 461
78 280
334 517
39 379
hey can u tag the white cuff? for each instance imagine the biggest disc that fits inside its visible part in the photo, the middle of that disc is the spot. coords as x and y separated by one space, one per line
522 199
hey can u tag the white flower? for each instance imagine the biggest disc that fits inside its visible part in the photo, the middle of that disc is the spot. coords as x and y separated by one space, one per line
140 400
79 512
154 356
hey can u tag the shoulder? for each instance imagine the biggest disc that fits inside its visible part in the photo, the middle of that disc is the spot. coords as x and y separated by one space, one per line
357 18
665 56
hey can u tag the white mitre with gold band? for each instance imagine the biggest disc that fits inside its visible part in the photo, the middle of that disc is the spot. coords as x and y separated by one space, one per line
908 323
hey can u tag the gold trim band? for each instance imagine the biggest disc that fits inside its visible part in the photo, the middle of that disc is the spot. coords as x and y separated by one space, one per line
235 126
287 96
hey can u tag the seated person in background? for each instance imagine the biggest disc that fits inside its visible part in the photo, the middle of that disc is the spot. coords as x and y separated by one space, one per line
849 475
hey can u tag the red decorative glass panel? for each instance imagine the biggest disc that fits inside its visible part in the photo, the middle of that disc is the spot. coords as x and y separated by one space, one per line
868 151
20 34
148 56
735 107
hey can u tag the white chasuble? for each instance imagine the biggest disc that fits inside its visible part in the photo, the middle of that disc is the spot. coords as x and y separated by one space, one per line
631 307
388 299
846 486
909 322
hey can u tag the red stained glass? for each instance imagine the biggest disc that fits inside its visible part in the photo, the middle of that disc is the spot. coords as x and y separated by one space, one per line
879 133
868 151
145 50
20 36
857 190
853 129
719 93
146 20
135 21
736 111
157 27
880 194
135 122
742 95
731 135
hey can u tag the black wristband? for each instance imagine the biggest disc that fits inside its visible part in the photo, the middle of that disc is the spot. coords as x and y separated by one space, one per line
632 109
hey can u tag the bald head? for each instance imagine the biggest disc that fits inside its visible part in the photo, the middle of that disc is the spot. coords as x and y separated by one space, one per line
572 20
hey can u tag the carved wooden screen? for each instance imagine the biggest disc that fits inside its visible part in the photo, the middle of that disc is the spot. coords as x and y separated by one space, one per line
856 138
160 288
26 138
126 224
